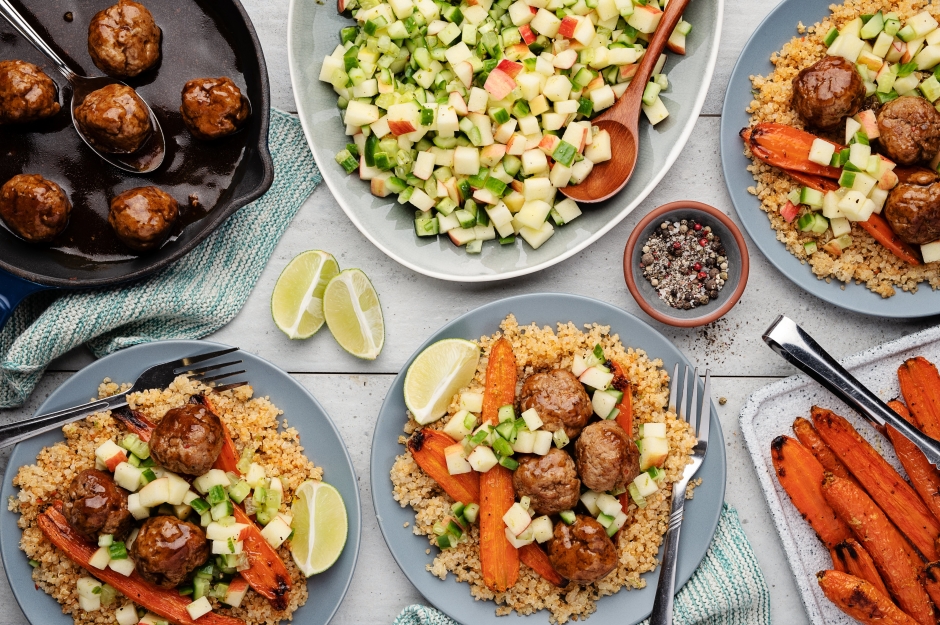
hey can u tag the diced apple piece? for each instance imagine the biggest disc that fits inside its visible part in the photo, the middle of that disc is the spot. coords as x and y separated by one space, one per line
645 18
526 538
654 453
533 214
542 528
124 566
237 588
676 42
509 67
520 13
608 504
517 519
199 607
543 442
533 162
537 237
537 189
603 98
456 462
557 88
569 210
599 150
492 154
930 252
447 121
645 484
477 101
560 176
528 37
378 186
177 489
503 132
127 476
110 455
499 84
584 32
657 112
330 65
424 165
155 493
596 378
360 114
565 59
421 200
482 459
603 404
525 442
580 171
100 558
403 118
548 144
464 72
457 53
466 160
276 532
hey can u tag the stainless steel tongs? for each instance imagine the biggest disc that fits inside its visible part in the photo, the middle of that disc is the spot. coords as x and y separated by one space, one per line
789 340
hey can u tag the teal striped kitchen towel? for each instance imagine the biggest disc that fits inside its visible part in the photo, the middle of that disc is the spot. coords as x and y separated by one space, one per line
728 588
195 297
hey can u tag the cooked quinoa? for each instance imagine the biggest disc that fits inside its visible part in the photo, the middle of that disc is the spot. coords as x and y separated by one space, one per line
252 422
866 261
539 349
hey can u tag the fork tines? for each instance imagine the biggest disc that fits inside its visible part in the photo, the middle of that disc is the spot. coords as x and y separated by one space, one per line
688 410
192 360
199 374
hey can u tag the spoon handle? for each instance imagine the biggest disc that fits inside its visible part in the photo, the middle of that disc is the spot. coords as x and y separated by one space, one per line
667 24
22 26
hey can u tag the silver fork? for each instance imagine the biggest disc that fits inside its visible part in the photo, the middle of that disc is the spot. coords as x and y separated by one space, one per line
698 419
157 376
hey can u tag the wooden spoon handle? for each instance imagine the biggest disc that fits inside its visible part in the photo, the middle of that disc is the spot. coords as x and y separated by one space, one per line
627 108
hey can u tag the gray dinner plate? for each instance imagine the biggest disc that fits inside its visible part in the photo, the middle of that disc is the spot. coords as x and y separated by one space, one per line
777 29
313 33
319 436
627 607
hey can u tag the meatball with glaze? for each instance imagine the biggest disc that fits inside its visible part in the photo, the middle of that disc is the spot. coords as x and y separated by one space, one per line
560 400
114 119
95 505
550 481
187 440
827 92
123 40
910 130
606 457
913 207
143 217
167 550
34 208
582 552
213 107
26 93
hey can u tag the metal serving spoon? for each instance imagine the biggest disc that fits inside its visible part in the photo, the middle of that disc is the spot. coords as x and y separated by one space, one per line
149 156
622 120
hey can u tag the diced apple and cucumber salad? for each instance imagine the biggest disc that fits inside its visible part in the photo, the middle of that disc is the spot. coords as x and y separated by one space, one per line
476 113
481 447
210 496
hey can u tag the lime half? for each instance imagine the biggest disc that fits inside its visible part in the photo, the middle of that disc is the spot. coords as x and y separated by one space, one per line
436 375
353 314
297 301
319 525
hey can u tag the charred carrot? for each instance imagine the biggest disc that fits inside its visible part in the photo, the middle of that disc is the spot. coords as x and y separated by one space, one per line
920 386
801 476
498 558
861 600
788 148
837 563
885 485
533 557
267 575
932 582
810 439
427 448
923 476
166 602
135 422
877 226
625 408
813 182
885 545
854 560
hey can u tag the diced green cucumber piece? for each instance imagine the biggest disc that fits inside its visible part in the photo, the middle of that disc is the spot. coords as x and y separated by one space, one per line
568 516
811 197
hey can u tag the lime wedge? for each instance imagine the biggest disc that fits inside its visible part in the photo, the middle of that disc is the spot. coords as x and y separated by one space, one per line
319 527
297 300
436 375
354 315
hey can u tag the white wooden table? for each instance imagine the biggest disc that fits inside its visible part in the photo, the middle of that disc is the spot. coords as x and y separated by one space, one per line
414 306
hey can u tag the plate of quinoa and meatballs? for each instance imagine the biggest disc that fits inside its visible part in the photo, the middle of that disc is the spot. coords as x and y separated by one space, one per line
189 506
830 148
587 497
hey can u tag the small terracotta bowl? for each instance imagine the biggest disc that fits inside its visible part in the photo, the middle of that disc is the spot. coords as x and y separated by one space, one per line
647 297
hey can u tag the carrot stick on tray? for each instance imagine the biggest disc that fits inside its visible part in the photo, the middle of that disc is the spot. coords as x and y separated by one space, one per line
885 544
427 448
850 557
932 582
861 600
923 476
885 485
920 386
810 439
801 476
498 558
166 602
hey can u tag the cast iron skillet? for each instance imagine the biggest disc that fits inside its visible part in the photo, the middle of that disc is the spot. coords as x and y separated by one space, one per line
210 180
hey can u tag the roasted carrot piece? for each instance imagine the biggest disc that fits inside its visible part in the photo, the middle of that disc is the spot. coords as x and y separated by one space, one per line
885 485
498 558
810 439
923 476
885 545
166 602
877 226
899 407
932 582
537 560
134 422
788 148
625 408
801 476
837 563
851 557
813 182
861 600
920 386
427 448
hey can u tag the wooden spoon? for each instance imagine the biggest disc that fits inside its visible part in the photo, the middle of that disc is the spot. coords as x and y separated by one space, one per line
621 120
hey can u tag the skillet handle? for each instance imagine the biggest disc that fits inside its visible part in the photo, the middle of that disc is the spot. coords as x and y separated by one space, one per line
14 290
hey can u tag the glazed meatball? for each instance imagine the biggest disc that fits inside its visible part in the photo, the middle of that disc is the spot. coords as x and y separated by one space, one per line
913 207
114 119
34 208
827 92
95 505
550 481
167 550
560 400
143 217
187 440
26 93
606 457
213 107
910 130
123 40
582 552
